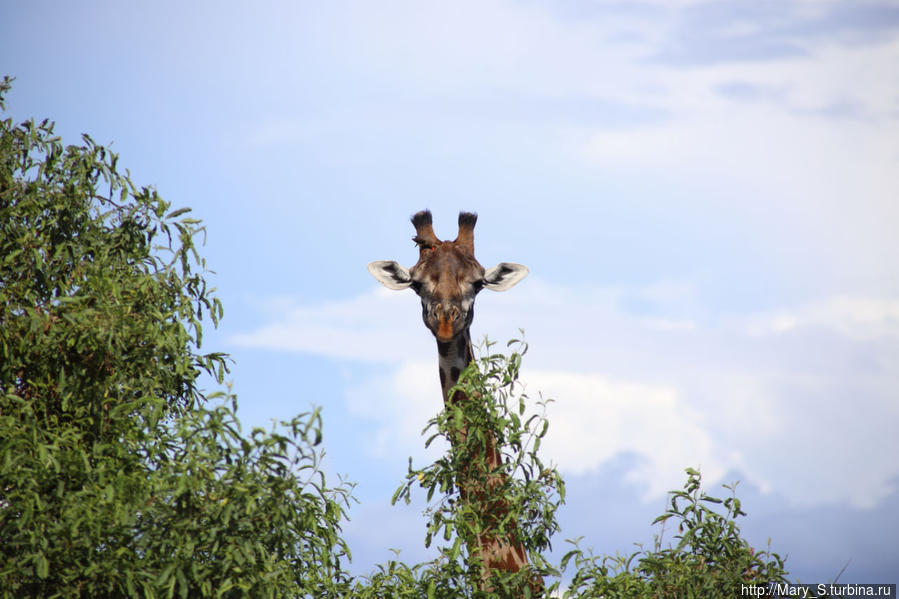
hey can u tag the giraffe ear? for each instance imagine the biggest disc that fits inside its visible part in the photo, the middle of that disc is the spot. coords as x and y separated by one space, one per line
504 275
390 274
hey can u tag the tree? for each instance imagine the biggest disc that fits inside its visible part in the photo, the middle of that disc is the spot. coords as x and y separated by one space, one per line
118 477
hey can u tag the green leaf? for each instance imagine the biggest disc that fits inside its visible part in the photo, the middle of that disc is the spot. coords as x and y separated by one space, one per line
176 213
41 566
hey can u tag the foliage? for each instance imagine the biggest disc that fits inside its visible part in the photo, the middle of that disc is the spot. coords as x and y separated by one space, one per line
116 479
710 560
518 499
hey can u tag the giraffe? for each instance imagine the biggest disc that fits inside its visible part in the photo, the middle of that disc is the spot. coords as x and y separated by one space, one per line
447 277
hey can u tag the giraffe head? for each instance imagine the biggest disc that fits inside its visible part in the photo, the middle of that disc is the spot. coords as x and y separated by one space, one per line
446 277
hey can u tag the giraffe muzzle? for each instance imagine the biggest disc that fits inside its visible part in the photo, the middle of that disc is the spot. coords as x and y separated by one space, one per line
445 331
445 320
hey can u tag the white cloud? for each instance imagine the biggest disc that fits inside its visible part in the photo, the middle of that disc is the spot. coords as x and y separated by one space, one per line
597 418
853 317
400 401
377 326
801 414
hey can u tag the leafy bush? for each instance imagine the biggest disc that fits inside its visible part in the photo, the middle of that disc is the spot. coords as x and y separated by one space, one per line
710 559
116 480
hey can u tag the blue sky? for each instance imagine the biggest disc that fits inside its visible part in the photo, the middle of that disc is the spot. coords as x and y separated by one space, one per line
705 193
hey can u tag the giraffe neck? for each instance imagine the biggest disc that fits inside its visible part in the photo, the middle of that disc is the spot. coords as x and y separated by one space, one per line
453 357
